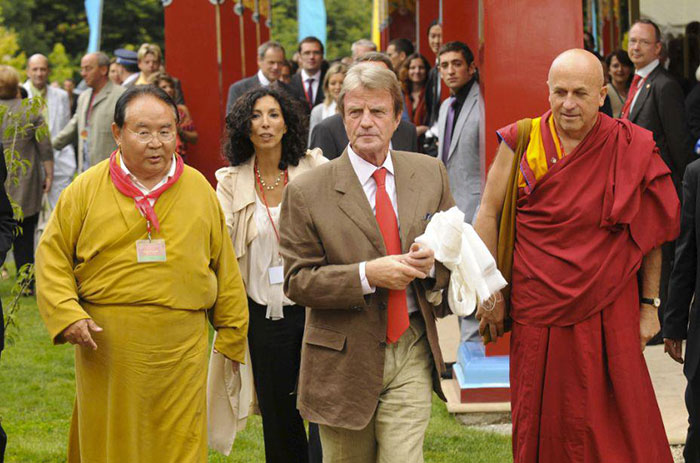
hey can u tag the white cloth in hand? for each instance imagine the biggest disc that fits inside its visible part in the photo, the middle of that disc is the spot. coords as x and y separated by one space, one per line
474 276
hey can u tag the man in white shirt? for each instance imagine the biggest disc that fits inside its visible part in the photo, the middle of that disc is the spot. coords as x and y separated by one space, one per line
270 62
371 357
307 84
57 114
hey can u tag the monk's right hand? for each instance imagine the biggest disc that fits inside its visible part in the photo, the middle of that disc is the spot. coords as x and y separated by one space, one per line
79 333
492 320
674 348
391 273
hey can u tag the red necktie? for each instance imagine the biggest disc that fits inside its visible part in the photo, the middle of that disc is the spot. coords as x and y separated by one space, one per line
310 92
397 308
630 97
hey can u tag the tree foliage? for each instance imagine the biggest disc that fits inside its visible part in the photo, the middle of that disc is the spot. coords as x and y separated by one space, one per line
61 66
346 23
10 53
41 25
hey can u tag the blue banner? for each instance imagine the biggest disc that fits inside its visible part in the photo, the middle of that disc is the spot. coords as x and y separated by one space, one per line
93 10
312 19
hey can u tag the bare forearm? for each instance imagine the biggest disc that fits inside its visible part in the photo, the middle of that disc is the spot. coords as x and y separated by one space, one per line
651 273
486 226
48 168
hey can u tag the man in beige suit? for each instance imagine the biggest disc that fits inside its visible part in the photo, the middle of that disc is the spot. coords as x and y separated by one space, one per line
370 358
92 121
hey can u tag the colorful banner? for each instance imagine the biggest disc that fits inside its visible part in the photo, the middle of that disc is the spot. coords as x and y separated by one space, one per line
93 10
311 15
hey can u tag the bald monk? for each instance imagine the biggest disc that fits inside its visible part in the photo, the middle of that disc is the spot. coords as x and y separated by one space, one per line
594 203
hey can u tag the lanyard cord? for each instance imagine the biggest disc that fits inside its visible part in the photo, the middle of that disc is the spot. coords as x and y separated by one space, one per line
262 193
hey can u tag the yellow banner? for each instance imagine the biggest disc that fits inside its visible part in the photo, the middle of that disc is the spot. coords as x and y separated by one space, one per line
262 5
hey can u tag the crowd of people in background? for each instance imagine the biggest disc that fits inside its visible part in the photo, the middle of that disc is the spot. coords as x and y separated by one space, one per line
288 118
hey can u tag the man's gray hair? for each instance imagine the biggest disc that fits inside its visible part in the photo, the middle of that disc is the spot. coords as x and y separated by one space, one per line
363 43
102 59
262 49
371 77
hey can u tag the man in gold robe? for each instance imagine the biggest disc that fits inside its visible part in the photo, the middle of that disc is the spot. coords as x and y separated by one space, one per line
134 258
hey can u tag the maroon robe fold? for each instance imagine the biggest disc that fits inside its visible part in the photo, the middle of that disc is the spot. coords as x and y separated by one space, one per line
581 392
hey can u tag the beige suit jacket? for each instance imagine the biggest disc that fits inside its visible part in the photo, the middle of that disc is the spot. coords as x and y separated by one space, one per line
327 229
100 140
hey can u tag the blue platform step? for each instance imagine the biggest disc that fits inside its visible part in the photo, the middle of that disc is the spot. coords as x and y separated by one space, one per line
481 378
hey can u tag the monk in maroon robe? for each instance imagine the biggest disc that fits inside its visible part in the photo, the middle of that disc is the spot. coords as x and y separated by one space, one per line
595 202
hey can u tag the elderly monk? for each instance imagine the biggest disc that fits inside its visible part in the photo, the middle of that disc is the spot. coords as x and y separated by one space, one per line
594 203
370 356
134 258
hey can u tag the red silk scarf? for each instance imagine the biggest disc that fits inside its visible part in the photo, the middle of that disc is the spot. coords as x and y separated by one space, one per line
126 187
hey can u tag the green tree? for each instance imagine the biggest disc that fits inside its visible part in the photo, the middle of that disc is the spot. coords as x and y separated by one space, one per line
9 48
345 25
61 66
41 24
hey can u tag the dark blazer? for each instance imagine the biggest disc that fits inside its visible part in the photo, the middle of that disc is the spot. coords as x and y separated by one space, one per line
660 108
7 227
239 88
432 101
296 88
685 278
692 108
330 136
328 228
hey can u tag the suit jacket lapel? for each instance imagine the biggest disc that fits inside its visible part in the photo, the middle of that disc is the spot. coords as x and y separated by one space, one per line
469 104
644 93
102 95
406 197
354 202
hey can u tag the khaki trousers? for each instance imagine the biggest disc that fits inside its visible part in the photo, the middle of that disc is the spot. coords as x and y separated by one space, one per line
397 429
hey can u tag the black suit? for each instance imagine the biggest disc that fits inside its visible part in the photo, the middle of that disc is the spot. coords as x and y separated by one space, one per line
684 284
692 108
432 97
239 88
660 108
7 226
330 136
296 88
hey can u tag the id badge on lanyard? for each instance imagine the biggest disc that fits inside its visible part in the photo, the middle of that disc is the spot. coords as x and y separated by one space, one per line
150 250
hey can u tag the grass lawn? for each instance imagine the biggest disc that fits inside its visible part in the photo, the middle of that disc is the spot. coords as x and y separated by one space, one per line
37 392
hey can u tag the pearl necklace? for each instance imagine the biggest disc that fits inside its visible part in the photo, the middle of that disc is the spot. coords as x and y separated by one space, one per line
265 185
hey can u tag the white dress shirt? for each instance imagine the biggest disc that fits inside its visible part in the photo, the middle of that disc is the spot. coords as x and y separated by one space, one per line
263 80
315 84
643 73
130 79
364 171
145 190
263 254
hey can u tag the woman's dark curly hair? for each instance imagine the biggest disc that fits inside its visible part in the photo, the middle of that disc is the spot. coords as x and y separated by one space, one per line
238 148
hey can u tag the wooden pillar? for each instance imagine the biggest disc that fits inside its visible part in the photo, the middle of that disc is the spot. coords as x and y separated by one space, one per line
428 10
514 64
514 42
192 46
515 59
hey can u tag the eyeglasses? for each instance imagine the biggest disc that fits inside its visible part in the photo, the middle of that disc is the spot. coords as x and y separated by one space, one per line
146 136
644 43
